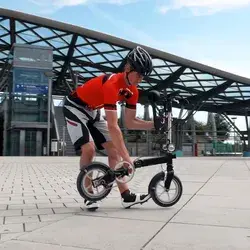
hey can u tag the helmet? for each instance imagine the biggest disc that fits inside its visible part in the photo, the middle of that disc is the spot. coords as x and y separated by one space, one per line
140 61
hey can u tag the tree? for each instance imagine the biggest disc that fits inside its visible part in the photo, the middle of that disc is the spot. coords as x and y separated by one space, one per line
200 127
223 126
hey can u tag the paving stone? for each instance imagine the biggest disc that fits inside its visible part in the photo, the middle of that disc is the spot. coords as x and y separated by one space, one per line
21 206
37 211
67 210
46 200
11 228
21 219
54 217
49 205
8 236
10 213
3 207
30 226
9 202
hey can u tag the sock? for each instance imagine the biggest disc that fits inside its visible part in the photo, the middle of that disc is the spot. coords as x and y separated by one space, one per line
125 193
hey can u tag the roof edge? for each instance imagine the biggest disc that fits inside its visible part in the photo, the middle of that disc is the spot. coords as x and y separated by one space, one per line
121 42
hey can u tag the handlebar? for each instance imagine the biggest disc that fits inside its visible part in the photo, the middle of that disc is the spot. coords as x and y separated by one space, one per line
154 96
165 113
173 94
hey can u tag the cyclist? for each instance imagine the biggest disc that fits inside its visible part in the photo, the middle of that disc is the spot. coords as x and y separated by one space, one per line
87 128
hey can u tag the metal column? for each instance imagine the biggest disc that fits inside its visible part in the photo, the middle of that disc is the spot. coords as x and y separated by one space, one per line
22 143
39 138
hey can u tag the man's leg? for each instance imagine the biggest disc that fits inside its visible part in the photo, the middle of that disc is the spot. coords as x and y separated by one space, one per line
113 159
128 198
81 138
87 155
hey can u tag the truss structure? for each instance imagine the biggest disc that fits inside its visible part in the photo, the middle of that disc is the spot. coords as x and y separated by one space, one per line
80 54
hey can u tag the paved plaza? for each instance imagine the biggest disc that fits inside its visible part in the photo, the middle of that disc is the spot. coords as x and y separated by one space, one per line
40 208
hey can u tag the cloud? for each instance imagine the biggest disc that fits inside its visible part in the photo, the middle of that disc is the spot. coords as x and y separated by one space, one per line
64 3
202 7
128 30
51 6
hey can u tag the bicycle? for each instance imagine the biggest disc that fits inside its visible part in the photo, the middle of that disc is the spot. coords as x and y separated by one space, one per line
125 170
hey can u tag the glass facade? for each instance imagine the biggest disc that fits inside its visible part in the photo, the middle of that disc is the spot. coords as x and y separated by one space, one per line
26 103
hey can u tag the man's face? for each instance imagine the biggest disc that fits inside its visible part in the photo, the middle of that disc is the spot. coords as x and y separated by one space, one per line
135 78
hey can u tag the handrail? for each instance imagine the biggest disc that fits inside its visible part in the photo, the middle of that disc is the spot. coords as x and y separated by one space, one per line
55 121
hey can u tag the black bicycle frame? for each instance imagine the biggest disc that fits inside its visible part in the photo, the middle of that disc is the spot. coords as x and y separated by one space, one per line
168 157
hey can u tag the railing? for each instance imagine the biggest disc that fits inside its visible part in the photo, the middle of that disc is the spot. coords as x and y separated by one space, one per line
143 143
55 121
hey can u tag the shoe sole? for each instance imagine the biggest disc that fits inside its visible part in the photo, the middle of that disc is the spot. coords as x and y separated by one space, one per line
140 202
92 209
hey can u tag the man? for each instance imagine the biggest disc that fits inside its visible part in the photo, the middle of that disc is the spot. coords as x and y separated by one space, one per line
88 129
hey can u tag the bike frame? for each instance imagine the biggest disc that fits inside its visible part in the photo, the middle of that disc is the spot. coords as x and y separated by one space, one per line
168 157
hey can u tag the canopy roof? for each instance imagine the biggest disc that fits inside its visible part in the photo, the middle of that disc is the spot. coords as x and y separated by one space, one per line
85 53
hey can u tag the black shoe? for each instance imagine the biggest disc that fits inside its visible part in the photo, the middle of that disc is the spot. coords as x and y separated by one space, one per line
91 205
130 199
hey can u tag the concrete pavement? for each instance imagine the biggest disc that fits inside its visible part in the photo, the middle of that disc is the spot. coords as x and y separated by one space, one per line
40 208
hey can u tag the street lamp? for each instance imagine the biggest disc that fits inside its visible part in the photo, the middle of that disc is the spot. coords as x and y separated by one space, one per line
49 74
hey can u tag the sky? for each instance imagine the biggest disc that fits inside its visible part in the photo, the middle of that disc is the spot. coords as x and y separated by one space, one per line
213 32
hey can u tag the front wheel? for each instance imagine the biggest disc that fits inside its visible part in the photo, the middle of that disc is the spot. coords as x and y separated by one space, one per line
95 187
157 183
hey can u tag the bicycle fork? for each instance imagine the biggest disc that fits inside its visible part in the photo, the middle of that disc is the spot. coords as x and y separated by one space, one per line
168 174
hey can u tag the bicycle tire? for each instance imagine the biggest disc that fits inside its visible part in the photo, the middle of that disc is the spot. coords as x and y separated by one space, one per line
152 190
86 195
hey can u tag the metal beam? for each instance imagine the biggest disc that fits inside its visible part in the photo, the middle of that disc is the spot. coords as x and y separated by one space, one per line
236 106
204 96
229 120
168 82
12 31
68 58
82 63
4 47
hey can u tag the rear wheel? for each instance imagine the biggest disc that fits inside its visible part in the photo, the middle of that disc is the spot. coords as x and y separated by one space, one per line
94 186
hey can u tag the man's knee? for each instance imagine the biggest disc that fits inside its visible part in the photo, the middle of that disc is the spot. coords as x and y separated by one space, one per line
88 150
112 152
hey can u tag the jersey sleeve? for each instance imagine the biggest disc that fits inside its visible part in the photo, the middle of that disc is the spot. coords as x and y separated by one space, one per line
110 96
132 101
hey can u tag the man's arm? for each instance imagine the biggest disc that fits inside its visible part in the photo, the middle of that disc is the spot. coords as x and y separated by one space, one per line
116 134
132 122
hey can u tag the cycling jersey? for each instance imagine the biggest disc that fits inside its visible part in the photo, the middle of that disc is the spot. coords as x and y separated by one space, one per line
105 91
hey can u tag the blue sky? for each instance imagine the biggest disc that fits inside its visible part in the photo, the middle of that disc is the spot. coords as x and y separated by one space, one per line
213 32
